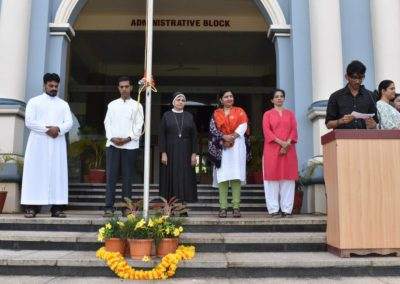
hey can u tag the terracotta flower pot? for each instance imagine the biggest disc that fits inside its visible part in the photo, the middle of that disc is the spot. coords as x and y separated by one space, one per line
140 247
3 196
97 176
166 246
115 245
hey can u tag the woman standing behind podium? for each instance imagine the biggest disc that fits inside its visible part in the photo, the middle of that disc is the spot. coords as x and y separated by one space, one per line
279 158
178 147
389 117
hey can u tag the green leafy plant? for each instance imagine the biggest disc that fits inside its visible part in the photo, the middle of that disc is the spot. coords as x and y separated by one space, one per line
257 147
169 207
113 229
133 207
166 227
12 158
93 150
138 228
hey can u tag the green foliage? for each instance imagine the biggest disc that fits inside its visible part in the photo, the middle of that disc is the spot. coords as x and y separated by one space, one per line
113 229
91 149
257 148
12 158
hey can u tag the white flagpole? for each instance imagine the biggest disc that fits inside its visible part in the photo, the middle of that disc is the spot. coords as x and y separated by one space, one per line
148 74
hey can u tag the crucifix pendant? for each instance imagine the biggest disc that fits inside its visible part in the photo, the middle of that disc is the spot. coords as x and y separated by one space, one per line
180 135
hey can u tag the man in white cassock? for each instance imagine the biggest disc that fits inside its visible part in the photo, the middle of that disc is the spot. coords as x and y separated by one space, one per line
45 176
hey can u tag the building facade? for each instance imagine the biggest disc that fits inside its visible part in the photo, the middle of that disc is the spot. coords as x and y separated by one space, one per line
200 47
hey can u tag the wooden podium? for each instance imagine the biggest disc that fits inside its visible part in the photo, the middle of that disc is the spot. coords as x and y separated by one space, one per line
362 178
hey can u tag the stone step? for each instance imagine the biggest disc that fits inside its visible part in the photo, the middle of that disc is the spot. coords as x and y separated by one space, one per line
201 199
155 186
254 207
155 190
87 221
244 265
204 242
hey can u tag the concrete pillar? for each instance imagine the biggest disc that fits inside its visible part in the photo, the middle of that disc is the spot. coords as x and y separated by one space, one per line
326 58
385 22
14 45
14 40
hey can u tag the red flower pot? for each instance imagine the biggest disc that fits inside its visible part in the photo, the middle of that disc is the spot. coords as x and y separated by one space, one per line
3 196
140 247
166 246
97 176
115 245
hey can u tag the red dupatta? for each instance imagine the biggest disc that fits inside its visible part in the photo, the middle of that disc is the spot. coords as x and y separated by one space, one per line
227 124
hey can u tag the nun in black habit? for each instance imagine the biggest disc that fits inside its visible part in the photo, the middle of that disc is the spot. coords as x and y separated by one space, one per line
178 147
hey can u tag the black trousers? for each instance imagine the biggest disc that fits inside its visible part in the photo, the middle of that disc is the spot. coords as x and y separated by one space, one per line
115 159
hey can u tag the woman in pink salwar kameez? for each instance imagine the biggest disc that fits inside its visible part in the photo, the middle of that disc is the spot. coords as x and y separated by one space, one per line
279 159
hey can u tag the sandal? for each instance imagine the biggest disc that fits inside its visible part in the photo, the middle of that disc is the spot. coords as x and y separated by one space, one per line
58 214
222 213
30 213
236 213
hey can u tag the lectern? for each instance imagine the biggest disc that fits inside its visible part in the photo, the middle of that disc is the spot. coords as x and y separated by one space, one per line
362 179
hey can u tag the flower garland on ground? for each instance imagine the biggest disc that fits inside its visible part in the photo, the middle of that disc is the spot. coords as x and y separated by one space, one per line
165 269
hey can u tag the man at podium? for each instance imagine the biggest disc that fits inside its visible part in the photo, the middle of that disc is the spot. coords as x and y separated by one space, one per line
352 107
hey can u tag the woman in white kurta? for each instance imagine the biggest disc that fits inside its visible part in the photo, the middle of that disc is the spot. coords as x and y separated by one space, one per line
389 117
45 176
231 123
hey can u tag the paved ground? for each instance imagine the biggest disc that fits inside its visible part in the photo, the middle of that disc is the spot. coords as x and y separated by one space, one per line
99 280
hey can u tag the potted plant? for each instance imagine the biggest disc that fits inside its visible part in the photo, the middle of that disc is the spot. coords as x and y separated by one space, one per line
255 174
139 234
112 234
166 235
11 167
94 151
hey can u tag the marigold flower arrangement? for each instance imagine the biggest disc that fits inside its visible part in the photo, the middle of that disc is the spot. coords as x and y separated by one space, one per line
163 270
166 227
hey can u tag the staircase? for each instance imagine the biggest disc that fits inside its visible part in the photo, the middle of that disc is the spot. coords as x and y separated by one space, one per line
92 197
252 246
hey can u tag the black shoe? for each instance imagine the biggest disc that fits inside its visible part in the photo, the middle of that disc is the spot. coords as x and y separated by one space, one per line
222 213
286 215
236 213
275 215
58 214
30 213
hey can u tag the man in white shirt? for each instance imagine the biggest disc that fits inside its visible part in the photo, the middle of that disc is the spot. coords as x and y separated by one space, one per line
45 176
123 125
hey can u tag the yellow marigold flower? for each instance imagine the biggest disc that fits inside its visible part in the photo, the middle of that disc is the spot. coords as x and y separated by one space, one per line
146 258
108 226
176 232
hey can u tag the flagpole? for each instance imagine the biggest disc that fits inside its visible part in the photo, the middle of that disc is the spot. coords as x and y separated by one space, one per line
148 74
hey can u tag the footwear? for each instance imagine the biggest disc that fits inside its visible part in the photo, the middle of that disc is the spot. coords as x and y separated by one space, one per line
30 213
58 214
286 215
236 213
275 215
108 214
222 213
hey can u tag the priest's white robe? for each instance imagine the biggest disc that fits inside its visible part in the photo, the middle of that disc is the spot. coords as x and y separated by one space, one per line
233 163
45 176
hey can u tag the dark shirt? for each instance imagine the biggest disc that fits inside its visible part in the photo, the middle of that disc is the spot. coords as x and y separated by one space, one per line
343 102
